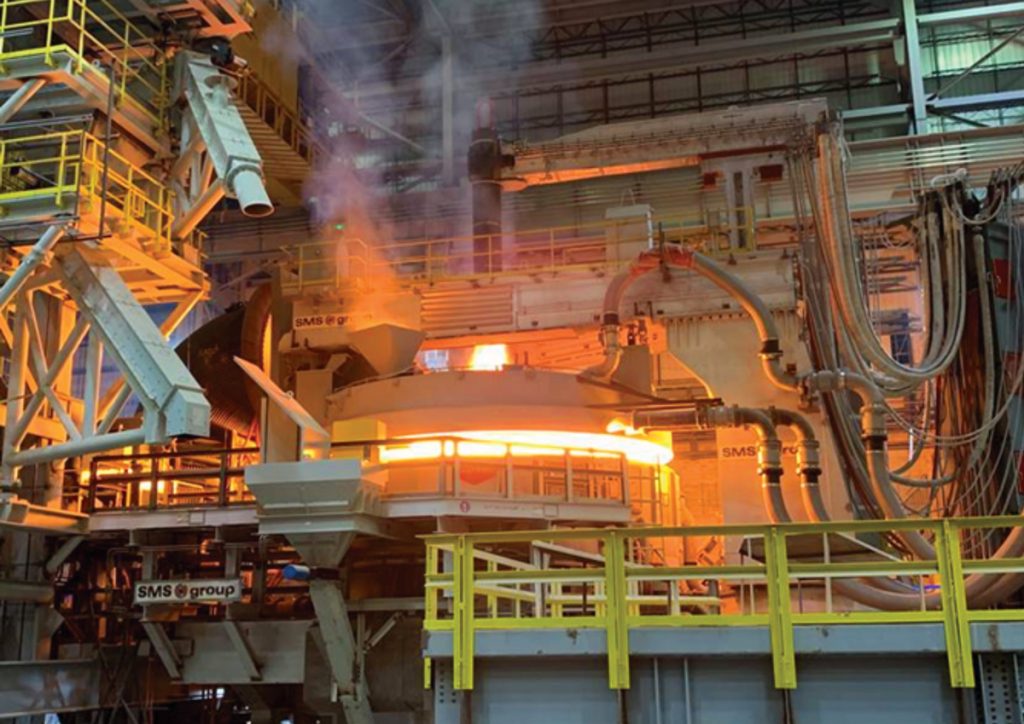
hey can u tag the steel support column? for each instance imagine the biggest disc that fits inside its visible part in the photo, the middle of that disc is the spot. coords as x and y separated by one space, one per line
340 650
912 44
447 110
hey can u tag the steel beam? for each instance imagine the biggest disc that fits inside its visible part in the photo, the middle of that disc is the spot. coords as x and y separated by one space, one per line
164 648
970 15
36 255
539 75
912 44
76 448
242 648
172 398
186 222
447 108
340 650
979 102
19 98
55 561
21 515
259 711
970 69
26 592
856 114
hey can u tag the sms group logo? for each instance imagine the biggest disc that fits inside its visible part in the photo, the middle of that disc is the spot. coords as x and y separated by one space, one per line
187 591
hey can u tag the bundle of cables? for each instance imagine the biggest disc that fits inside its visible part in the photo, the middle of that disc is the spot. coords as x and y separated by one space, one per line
964 427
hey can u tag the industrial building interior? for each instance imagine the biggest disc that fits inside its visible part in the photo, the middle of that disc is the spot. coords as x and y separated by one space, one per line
451 361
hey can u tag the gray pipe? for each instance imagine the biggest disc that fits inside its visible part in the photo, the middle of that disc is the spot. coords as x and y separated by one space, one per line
876 443
76 448
767 332
769 454
808 461
35 256
670 419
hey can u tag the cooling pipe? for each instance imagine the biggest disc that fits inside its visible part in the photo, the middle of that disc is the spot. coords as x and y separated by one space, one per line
980 589
769 454
32 259
667 419
767 332
769 447
808 460
876 445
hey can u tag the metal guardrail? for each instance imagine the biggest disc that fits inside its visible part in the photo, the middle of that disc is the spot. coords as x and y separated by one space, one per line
161 480
475 469
603 247
68 166
88 31
615 593
463 469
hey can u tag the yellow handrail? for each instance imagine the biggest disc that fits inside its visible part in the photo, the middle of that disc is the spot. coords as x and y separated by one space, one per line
613 590
89 30
72 162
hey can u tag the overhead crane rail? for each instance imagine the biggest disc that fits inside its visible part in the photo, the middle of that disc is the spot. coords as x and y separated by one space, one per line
598 583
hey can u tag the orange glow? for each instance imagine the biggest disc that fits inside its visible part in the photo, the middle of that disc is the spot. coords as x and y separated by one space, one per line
625 428
489 357
529 443
147 485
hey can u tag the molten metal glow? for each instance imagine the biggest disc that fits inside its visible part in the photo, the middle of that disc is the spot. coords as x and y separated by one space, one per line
623 427
489 357
528 443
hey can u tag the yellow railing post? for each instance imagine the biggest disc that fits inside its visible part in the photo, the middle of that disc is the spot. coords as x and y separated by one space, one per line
61 169
81 36
780 615
616 624
463 639
954 606
430 608
492 600
3 30
48 57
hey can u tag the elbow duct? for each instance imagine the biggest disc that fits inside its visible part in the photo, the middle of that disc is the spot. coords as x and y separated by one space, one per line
768 333
769 447
808 461
769 454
